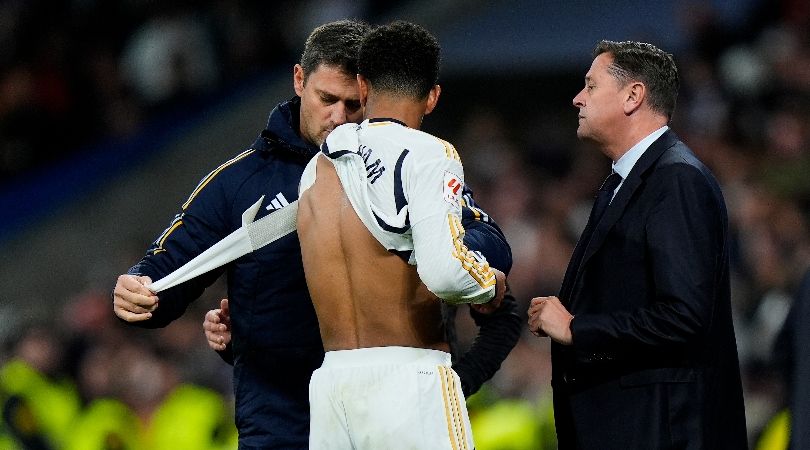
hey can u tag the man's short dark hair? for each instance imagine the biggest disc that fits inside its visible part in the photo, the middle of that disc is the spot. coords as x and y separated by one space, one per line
335 44
639 61
401 58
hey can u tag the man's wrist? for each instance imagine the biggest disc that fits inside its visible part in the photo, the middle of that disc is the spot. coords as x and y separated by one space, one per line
570 331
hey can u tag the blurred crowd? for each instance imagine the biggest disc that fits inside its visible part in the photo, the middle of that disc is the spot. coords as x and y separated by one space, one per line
85 381
88 69
72 72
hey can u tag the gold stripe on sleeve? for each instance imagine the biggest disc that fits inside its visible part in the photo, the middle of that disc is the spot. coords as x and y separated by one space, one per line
213 174
481 272
450 150
477 212
175 225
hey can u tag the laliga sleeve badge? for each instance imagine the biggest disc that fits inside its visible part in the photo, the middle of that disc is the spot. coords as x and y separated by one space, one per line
453 185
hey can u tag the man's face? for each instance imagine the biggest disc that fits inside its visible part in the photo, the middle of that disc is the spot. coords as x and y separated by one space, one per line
600 103
329 97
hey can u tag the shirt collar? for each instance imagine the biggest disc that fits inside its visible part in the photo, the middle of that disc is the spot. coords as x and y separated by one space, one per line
385 119
625 164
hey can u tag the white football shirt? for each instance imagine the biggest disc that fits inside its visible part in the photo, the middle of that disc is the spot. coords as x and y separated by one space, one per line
405 185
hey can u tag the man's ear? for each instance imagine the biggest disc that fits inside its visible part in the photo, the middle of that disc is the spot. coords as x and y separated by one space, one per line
298 79
362 83
432 98
636 92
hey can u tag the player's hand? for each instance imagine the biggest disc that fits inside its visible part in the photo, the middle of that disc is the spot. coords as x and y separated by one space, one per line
217 326
132 300
549 318
500 290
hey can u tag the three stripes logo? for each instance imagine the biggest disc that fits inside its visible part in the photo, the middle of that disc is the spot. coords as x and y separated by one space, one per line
278 202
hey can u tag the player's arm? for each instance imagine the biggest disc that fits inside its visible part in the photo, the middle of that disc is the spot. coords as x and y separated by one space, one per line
433 185
499 331
483 235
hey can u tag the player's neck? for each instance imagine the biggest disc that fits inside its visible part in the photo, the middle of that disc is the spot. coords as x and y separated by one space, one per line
408 111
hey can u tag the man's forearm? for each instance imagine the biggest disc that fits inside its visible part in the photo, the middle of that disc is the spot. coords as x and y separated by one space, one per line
498 334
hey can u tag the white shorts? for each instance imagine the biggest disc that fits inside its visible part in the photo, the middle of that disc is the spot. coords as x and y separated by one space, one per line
387 398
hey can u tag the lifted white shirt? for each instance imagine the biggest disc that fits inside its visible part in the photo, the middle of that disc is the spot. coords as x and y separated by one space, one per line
405 185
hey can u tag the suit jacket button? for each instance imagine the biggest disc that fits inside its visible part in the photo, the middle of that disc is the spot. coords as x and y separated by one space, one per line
568 379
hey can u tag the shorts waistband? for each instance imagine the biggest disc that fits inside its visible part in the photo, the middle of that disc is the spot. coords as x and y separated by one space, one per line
385 355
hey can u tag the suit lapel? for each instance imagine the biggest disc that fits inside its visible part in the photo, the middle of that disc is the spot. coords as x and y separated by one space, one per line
634 179
616 208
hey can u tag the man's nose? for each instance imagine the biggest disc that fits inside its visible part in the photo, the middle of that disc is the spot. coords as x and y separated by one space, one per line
339 114
578 100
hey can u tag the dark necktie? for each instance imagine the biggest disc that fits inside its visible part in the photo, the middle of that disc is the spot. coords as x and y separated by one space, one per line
603 197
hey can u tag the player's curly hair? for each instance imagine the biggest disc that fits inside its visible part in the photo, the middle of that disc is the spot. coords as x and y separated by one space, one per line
334 44
639 61
401 58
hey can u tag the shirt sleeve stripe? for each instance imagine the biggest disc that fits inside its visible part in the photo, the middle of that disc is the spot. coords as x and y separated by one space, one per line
450 150
481 272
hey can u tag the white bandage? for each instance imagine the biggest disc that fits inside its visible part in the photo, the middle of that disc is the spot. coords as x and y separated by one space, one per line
250 237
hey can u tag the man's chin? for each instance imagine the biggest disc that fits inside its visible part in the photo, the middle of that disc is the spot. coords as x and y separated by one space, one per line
585 135
322 136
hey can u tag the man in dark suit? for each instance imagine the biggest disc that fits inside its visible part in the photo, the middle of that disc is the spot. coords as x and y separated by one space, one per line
792 355
643 348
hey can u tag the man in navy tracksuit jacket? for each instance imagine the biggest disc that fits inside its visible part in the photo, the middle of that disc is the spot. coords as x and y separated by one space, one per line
275 341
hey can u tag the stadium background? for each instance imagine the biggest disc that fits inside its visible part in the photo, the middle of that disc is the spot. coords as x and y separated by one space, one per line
101 140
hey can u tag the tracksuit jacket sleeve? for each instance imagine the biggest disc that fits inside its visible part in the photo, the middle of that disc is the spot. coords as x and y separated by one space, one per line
483 235
499 331
498 334
200 224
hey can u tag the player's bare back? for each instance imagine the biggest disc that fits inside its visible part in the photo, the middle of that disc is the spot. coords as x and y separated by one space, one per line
364 295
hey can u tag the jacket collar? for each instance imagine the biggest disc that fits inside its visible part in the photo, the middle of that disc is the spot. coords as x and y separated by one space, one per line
282 131
629 186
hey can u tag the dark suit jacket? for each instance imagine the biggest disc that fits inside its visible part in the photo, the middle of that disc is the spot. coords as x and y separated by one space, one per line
654 359
792 354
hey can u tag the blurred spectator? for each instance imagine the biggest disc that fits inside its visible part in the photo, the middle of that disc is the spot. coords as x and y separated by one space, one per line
171 58
39 402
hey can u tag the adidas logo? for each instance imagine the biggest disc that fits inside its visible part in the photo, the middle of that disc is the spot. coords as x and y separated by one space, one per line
277 203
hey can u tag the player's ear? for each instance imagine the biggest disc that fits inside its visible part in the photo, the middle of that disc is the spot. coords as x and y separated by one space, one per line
432 98
298 79
362 82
